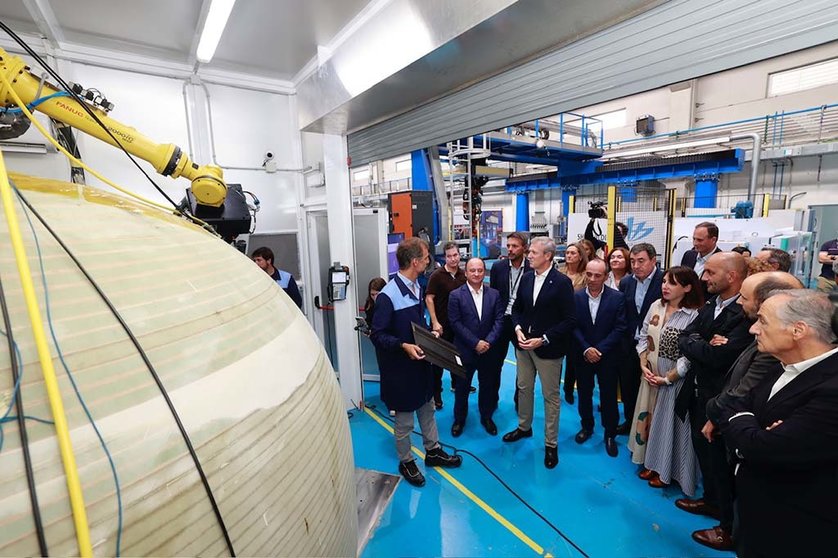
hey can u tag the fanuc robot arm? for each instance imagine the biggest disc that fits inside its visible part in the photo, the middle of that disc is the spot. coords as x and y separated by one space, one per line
208 185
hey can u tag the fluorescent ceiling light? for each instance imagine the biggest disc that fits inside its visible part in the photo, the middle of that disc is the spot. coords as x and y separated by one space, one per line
217 17
666 147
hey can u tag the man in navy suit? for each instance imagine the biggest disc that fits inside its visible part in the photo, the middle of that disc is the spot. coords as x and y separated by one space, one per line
640 289
475 313
506 276
705 238
544 317
600 328
786 433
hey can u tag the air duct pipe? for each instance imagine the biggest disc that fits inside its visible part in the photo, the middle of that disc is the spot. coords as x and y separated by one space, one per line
755 159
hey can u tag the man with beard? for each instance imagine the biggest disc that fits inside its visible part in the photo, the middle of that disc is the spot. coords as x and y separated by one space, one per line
709 363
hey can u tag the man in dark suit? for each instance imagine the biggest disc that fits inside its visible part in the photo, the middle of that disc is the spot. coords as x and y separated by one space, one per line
600 328
786 433
640 289
505 277
709 362
751 366
543 316
705 240
475 313
406 377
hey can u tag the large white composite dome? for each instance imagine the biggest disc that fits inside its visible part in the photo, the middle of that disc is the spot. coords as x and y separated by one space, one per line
248 377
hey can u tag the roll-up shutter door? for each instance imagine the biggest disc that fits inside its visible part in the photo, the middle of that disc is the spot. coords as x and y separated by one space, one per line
676 41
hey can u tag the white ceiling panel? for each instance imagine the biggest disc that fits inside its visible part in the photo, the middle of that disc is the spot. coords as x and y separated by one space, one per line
275 38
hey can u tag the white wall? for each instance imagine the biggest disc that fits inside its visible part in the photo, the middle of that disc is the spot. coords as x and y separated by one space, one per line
246 124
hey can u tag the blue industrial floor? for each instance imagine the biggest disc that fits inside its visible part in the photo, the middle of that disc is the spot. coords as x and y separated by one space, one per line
598 502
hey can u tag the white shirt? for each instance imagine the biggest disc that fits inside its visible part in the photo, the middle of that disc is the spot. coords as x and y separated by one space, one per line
792 371
477 296
593 303
413 286
539 282
722 304
699 264
514 279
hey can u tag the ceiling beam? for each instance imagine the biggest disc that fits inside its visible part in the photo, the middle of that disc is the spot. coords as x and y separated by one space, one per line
41 12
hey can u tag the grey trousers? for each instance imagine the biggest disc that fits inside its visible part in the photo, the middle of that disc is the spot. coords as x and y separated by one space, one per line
550 372
404 426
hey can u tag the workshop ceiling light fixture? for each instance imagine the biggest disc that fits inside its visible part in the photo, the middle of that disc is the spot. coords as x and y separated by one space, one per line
219 13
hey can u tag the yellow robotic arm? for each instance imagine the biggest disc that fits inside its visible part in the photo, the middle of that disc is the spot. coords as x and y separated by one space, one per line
208 185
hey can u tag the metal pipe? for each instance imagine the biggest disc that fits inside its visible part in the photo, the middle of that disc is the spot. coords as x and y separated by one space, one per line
721 125
755 160
212 142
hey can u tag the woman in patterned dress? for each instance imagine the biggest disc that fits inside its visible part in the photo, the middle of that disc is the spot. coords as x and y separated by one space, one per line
675 310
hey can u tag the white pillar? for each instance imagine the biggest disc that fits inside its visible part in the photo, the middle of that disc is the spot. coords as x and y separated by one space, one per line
342 249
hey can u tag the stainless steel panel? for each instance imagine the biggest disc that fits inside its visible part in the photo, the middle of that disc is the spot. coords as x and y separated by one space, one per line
672 42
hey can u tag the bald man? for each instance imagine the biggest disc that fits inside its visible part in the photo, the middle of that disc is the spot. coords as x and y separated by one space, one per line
710 360
475 313
751 366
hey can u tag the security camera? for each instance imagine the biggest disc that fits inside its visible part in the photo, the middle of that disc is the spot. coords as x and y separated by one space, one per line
269 163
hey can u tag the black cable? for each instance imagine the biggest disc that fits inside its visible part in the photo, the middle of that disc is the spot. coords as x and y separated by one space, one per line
457 451
83 103
21 421
177 208
147 362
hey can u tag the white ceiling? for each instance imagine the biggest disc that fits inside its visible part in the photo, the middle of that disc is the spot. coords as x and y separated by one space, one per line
274 38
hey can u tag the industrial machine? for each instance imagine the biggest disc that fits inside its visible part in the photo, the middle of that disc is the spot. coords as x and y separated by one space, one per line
208 198
411 213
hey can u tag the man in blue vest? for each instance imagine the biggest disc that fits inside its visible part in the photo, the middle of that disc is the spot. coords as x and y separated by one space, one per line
407 380
264 258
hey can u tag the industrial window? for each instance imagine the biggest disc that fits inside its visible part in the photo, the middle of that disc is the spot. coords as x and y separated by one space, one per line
403 166
805 77
610 120
361 175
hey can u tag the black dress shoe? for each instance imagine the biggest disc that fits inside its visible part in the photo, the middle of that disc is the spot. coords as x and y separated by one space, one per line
490 426
517 434
623 429
411 473
568 396
611 447
698 507
472 389
551 457
438 458
583 435
438 401
456 430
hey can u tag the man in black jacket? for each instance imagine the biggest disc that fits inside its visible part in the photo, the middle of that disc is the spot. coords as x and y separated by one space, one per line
505 276
786 433
751 366
709 362
544 317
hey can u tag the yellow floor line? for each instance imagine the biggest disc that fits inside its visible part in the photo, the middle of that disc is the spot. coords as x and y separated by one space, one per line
512 362
471 495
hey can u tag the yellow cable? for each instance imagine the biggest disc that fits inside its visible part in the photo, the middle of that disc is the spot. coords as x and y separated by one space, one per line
79 162
50 381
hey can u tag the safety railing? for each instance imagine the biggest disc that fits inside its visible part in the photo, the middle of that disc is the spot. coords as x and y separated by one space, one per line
809 125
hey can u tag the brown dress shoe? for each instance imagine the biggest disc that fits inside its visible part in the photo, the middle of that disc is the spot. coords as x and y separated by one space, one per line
698 507
647 474
656 482
716 538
